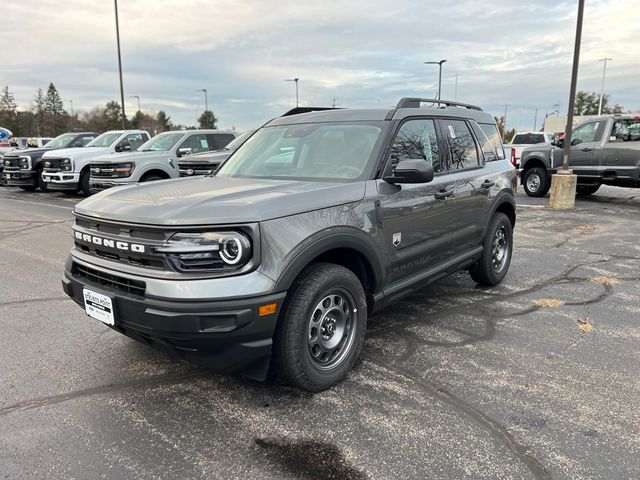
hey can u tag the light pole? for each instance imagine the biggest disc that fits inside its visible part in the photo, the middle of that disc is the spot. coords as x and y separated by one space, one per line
206 101
124 115
604 72
294 80
439 63
563 183
138 97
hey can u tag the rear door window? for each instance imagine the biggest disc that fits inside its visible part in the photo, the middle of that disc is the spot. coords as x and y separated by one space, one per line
462 147
197 143
219 140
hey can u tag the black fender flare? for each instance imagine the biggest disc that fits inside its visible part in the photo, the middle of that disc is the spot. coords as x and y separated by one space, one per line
544 159
331 239
504 197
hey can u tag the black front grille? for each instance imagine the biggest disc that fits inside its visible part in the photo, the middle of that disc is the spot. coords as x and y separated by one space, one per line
107 281
53 165
14 163
106 171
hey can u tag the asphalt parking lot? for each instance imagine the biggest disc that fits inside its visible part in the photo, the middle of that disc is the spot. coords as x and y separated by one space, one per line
536 378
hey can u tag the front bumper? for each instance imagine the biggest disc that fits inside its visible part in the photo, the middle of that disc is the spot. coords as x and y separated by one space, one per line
221 334
99 185
21 178
61 180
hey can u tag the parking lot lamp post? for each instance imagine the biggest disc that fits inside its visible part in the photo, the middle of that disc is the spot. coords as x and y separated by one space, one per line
604 72
439 63
124 115
138 97
294 80
206 100
563 183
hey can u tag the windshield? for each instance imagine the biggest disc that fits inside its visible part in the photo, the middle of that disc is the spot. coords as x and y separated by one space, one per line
104 140
239 140
61 141
315 151
161 143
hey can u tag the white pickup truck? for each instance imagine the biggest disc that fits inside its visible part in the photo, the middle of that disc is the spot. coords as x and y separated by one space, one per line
524 140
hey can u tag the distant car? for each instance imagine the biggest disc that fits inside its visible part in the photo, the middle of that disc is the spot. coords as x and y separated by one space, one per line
207 162
68 170
23 168
157 159
524 140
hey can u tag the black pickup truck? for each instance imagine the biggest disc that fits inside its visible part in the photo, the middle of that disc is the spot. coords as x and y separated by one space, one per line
604 151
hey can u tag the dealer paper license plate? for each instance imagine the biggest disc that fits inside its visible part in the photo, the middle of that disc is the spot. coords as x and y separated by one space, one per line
98 306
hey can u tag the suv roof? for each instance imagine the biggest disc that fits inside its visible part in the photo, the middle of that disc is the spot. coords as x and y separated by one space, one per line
406 107
200 130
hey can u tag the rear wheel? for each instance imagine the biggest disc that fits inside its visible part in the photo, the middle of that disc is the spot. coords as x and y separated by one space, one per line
320 334
497 250
536 182
587 189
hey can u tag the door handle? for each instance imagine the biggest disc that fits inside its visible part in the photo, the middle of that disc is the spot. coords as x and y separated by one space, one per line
442 194
587 149
487 184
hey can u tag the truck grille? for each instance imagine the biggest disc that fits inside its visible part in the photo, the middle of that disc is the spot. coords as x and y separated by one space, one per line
189 169
106 171
108 281
14 163
55 165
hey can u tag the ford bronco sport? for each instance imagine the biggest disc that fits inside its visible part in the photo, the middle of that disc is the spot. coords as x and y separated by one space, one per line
315 222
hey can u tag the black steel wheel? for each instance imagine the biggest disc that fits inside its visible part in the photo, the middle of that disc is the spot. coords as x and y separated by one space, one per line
321 329
497 251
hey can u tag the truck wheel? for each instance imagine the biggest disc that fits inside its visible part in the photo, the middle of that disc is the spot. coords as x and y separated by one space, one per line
496 256
587 189
151 178
42 185
320 333
536 182
84 183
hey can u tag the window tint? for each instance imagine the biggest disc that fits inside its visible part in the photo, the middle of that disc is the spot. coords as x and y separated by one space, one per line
417 139
220 140
492 133
461 145
585 133
527 138
197 143
626 130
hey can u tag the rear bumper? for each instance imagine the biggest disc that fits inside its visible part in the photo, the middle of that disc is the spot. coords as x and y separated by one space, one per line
61 180
224 335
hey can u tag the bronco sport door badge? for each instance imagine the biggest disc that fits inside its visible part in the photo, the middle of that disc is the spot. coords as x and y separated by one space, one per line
397 239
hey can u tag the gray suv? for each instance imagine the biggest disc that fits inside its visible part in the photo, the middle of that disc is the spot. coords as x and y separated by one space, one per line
317 221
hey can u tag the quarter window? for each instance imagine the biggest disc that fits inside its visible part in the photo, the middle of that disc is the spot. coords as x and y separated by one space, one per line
417 139
220 140
492 133
462 147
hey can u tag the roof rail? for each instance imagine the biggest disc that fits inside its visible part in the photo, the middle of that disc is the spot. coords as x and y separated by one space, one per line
299 110
412 102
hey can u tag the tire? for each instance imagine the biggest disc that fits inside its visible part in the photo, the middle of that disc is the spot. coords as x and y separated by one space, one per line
28 188
536 182
325 298
584 190
151 178
42 185
497 251
85 187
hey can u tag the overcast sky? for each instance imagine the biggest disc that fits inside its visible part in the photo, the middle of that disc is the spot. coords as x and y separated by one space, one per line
363 52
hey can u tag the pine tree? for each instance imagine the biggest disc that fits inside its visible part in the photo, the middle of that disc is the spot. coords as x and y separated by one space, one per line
164 121
207 119
8 110
54 109
39 110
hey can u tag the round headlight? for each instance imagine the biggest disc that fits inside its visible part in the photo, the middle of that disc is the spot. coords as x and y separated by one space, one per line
66 161
7 162
47 164
231 250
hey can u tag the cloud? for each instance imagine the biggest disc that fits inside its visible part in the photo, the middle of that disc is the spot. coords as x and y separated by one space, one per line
364 53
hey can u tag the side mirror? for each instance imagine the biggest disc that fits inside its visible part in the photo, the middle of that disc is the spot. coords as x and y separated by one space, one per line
411 171
558 143
77 144
184 151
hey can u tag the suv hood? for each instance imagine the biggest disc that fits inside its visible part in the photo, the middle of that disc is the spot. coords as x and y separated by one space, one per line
132 157
85 152
216 200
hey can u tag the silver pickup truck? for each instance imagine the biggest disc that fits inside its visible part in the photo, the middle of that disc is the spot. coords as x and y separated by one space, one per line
605 150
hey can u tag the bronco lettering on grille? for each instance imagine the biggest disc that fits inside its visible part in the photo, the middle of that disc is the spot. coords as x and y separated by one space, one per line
115 244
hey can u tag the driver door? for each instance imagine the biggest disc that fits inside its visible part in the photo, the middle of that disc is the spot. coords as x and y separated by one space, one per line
583 144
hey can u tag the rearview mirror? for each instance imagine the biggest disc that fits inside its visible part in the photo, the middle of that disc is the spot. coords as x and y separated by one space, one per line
411 171
184 151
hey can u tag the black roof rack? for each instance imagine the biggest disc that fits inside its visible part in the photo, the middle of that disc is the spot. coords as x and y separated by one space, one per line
299 110
411 102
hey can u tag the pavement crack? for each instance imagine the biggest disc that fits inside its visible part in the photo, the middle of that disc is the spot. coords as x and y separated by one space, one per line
33 300
149 382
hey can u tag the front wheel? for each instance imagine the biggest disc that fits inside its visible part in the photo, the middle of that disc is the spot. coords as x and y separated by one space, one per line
320 334
42 185
497 250
536 182
84 183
